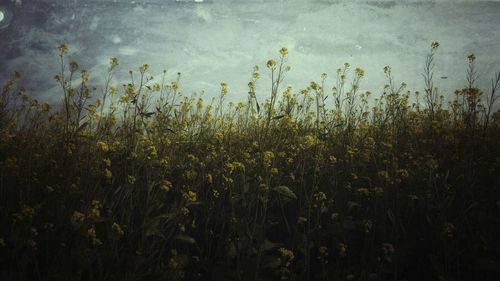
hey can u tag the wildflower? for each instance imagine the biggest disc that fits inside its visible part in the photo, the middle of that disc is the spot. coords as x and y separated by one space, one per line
190 196
32 243
359 72
216 193
271 63
73 66
174 85
63 49
363 191
117 229
113 62
274 171
185 211
92 235
301 220
77 217
108 174
342 250
387 69
223 88
320 196
107 162
286 256
435 45
471 58
49 226
323 253
131 179
173 264
284 51
143 68
403 173
103 146
95 211
315 86
210 179
384 175
268 157
387 248
334 216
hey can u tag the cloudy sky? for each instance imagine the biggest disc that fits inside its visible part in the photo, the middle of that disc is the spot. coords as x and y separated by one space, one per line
221 40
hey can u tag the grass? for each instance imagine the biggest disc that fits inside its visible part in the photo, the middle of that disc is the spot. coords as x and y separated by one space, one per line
145 183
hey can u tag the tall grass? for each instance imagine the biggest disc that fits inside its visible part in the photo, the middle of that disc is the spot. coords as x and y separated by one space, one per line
142 182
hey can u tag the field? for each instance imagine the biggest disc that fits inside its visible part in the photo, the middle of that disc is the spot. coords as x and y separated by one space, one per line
142 182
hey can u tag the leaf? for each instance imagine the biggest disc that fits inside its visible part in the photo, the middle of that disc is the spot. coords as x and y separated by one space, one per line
278 116
268 245
147 114
185 238
285 191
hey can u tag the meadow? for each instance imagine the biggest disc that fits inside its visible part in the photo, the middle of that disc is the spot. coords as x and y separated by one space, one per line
143 182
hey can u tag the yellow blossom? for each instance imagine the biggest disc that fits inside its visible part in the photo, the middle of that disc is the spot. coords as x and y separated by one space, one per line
131 179
166 185
117 229
103 146
190 196
108 174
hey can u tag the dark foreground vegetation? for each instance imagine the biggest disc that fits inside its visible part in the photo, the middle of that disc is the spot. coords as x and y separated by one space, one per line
144 183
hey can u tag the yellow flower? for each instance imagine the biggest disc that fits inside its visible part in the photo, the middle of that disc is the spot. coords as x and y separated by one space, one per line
387 69
77 217
223 88
166 185
190 196
286 255
323 251
271 63
320 196
103 146
63 49
108 174
185 211
107 162
359 72
216 193
301 220
117 229
209 179
342 250
363 191
131 179
284 51
471 58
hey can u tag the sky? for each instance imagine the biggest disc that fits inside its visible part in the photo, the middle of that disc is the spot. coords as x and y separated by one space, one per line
221 40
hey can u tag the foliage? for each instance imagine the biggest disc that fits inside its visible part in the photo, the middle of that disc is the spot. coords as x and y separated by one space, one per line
145 183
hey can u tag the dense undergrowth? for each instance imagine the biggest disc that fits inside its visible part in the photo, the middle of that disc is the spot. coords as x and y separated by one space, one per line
144 183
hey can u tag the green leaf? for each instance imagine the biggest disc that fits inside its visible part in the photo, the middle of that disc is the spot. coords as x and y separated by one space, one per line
285 191
185 239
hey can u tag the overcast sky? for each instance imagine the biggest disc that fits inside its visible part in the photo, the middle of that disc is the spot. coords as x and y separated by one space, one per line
222 40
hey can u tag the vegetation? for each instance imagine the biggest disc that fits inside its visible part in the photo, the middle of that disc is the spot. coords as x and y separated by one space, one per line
144 183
